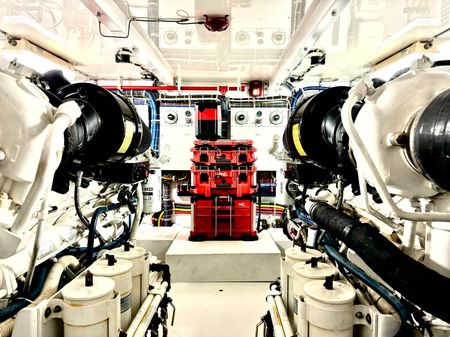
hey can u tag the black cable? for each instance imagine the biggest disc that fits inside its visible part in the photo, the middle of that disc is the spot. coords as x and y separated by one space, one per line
80 214
288 191
258 226
340 200
182 21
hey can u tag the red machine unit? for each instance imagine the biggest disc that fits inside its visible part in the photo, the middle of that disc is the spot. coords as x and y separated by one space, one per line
223 201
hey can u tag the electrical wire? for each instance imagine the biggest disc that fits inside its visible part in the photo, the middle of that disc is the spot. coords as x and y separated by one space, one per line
159 218
180 21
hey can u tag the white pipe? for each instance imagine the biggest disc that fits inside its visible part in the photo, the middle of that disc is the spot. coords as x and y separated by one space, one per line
275 317
368 208
144 316
51 283
357 93
409 234
37 243
140 315
284 317
138 213
65 116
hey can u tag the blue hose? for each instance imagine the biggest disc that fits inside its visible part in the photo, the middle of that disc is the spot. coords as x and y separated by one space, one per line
91 235
377 287
36 286
300 93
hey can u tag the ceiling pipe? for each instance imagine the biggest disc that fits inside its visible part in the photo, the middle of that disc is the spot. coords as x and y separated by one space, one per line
318 17
221 88
114 15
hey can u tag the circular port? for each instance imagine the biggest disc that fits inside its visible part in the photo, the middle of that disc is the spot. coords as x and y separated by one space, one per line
241 117
171 117
275 117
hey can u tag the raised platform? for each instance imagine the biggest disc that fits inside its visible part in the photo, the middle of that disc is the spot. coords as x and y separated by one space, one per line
156 240
223 261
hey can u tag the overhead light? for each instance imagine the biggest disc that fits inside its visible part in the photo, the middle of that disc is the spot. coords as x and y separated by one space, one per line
33 57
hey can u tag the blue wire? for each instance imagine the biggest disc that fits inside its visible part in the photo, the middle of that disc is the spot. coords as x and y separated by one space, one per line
300 92
154 123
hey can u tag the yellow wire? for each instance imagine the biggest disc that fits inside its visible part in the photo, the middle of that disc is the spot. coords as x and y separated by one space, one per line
273 206
181 209
159 218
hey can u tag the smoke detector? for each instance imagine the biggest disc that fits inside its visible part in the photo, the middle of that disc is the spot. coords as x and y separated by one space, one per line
216 23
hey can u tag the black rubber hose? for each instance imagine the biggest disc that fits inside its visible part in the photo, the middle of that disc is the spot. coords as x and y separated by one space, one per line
418 284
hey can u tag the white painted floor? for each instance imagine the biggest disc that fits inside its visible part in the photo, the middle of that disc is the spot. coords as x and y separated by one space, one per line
217 309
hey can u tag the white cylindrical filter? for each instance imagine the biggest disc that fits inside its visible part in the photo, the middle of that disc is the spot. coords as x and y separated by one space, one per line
329 312
293 255
305 273
281 195
120 272
152 192
86 310
139 257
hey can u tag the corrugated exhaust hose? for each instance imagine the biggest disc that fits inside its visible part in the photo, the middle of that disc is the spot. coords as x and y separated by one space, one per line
418 284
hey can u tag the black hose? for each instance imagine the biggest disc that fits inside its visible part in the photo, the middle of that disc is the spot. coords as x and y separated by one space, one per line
36 286
404 330
258 226
420 285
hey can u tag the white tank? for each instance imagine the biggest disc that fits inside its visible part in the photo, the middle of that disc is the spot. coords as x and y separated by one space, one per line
87 308
293 255
139 258
120 272
328 312
305 273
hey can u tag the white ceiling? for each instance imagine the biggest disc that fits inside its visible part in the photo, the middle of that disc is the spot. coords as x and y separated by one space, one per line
250 49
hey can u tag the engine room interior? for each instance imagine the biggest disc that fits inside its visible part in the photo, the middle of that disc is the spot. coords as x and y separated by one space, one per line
225 168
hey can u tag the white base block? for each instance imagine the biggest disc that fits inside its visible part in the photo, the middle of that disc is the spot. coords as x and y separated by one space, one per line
280 239
223 261
156 240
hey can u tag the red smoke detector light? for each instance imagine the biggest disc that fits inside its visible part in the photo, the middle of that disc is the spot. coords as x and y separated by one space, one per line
216 23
